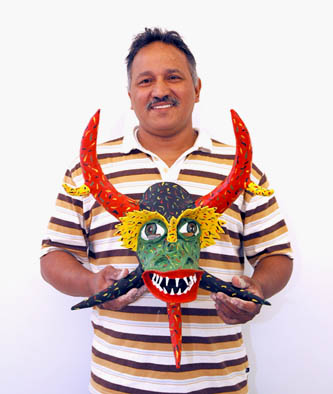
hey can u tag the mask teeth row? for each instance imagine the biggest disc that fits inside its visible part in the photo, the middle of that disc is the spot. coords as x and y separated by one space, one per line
189 281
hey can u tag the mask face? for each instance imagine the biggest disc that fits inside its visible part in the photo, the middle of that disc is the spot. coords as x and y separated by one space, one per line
171 269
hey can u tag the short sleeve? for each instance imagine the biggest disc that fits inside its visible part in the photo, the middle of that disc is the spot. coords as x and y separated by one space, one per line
66 229
265 231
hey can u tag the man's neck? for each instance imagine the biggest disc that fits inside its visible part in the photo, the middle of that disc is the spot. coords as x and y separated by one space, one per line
168 148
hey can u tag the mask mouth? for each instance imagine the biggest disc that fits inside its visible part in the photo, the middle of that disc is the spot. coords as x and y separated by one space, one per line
173 286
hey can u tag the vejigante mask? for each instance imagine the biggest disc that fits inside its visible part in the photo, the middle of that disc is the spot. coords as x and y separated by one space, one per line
167 229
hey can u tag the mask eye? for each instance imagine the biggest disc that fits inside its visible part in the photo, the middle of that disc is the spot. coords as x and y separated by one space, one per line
151 231
189 229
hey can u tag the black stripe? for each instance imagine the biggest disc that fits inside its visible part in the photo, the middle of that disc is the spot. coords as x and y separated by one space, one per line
112 253
166 339
129 390
203 174
268 230
47 242
143 171
213 155
168 368
70 200
260 208
272 249
161 310
65 223
219 257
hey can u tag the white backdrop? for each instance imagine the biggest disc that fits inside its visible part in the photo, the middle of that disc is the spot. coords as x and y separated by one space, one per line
269 60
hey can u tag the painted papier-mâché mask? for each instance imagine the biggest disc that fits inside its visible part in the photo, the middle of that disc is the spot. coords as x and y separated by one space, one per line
167 229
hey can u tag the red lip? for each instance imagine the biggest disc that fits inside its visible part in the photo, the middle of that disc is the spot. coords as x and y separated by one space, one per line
173 286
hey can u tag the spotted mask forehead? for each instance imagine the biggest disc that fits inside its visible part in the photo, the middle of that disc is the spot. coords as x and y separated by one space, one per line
166 198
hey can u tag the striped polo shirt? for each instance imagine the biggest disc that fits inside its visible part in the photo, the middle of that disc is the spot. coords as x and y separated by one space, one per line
131 351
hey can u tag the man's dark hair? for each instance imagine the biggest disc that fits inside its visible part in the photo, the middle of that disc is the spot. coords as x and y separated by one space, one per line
167 37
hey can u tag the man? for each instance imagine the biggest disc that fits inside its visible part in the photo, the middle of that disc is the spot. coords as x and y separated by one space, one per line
81 255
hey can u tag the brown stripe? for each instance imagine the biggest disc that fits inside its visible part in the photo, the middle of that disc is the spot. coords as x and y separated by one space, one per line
70 200
268 230
261 207
158 318
48 242
169 368
111 253
65 223
203 174
166 339
219 257
239 388
261 214
155 310
133 172
286 248
203 256
209 155
166 347
260 173
116 141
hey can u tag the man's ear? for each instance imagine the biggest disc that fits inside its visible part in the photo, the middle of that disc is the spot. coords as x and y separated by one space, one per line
197 89
130 97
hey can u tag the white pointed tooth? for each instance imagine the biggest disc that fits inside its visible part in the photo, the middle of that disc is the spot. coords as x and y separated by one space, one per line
177 282
185 280
186 290
159 288
179 292
194 278
166 281
165 290
191 281
172 292
153 278
160 280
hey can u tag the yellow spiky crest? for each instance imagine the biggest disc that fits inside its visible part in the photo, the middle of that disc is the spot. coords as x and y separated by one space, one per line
210 224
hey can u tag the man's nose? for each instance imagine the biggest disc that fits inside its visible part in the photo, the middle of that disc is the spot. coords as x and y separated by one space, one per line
160 89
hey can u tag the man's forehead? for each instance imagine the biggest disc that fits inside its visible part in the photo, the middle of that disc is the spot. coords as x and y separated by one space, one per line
159 54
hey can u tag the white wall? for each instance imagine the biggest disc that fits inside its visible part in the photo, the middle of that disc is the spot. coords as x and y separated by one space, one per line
269 60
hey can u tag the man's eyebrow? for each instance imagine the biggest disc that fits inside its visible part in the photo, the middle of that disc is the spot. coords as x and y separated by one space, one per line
149 73
173 70
143 74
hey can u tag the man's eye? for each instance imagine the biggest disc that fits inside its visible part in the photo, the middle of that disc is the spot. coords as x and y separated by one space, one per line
189 229
145 81
152 231
174 77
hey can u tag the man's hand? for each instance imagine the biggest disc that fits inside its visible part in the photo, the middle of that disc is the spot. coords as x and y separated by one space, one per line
105 278
233 310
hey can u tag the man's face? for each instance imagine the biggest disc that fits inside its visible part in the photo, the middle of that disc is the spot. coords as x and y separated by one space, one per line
161 72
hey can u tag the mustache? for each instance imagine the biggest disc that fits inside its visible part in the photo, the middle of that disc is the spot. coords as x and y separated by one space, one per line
164 99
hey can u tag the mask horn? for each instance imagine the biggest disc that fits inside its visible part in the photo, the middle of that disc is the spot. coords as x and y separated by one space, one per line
95 181
239 178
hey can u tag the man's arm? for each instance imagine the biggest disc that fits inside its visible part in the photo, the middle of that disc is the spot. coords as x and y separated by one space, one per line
270 276
61 270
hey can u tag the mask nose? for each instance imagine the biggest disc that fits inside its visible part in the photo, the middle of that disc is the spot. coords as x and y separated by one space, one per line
170 247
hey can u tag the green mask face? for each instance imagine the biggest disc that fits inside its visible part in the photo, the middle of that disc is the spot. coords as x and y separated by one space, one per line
171 269
156 253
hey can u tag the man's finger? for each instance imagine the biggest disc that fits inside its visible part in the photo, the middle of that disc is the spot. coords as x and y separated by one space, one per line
240 282
115 274
124 300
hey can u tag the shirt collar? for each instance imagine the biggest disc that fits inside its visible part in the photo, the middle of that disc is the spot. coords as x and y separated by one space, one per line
130 142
